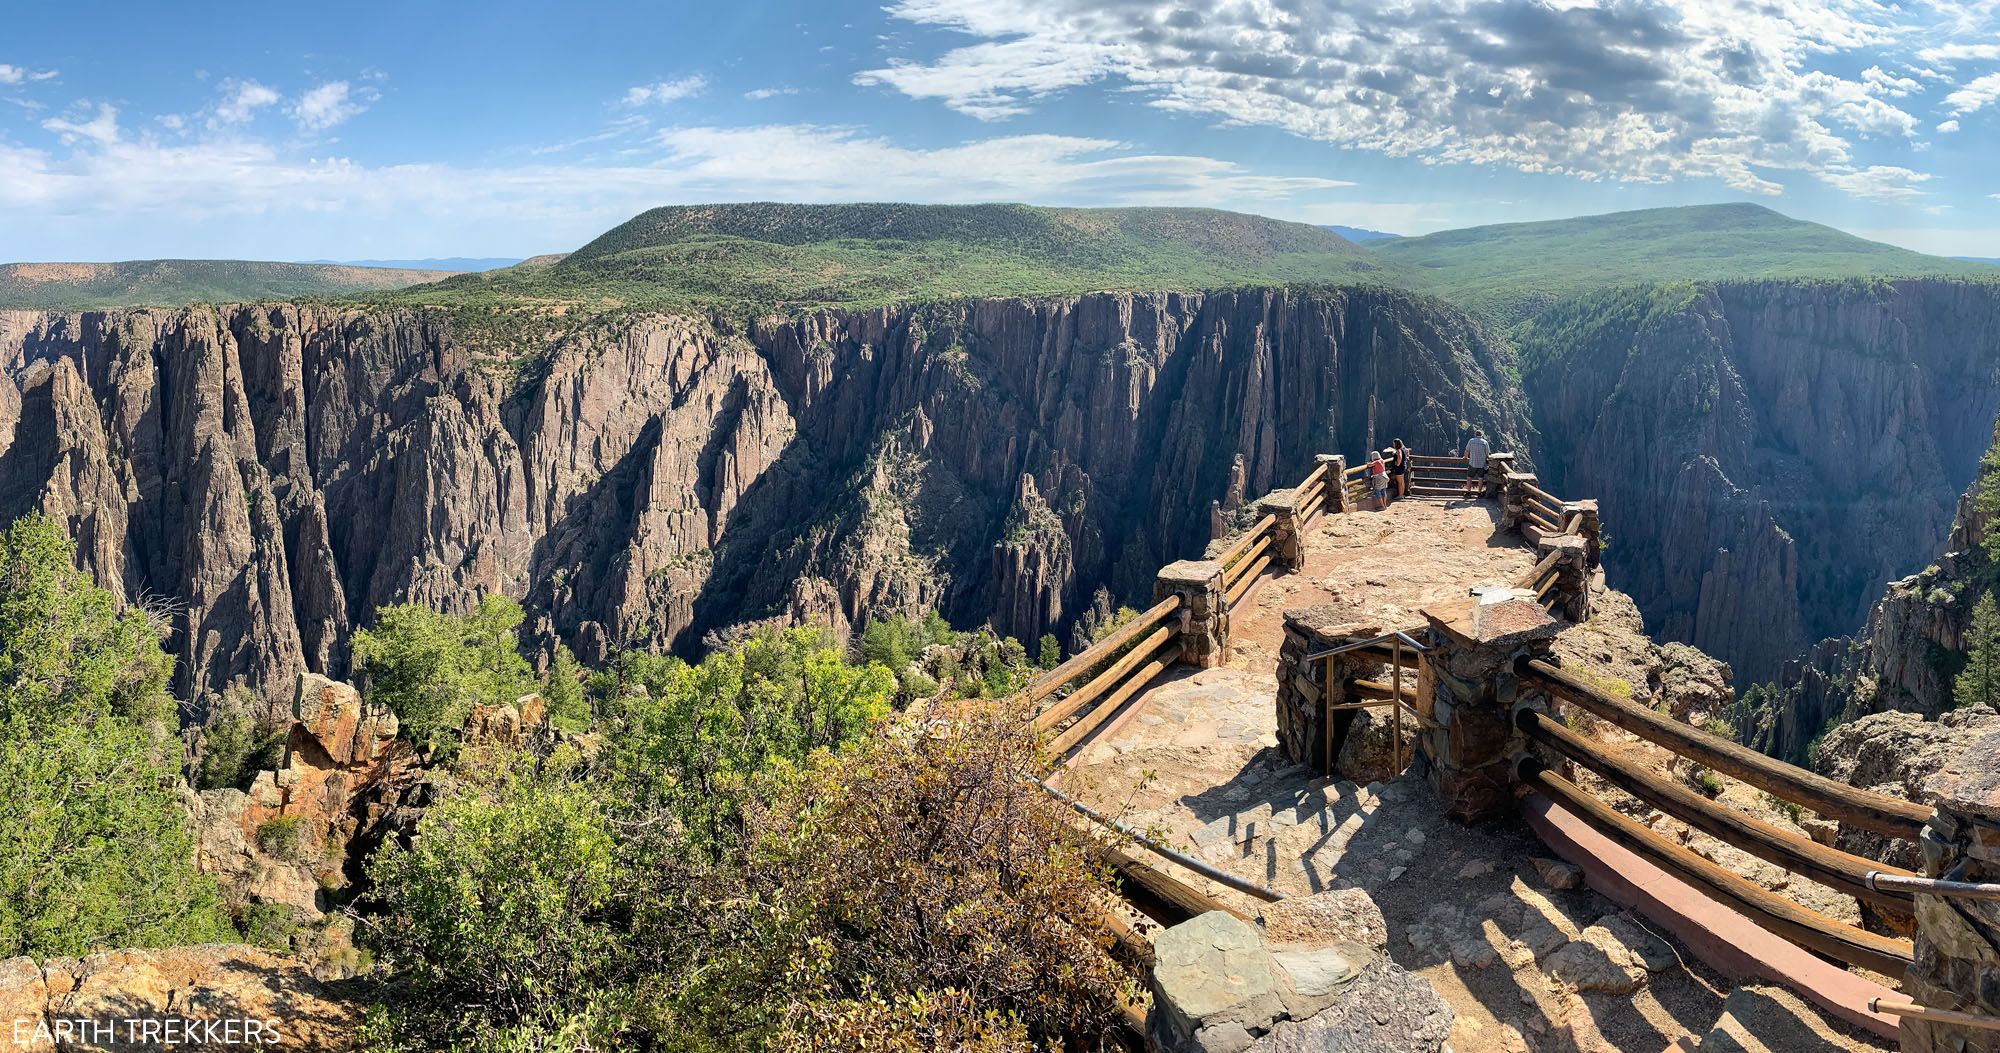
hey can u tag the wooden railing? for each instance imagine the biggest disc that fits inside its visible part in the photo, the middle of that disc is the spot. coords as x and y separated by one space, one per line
1857 807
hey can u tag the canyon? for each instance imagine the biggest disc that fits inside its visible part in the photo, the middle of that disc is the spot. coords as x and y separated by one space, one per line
1767 453
268 476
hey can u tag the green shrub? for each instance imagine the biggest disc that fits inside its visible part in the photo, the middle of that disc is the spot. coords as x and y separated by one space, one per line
503 902
431 668
94 845
284 837
1709 783
269 925
235 745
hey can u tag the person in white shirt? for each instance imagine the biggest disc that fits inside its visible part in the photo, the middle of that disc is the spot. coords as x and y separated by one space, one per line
1475 463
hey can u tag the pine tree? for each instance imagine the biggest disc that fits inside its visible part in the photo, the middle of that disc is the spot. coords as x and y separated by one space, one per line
1979 684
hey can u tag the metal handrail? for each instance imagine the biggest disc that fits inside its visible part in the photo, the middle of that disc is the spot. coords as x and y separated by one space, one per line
1224 877
1404 634
1880 882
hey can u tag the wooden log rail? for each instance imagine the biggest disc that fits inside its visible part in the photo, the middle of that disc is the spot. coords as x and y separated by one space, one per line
1870 811
1775 845
1090 657
1767 910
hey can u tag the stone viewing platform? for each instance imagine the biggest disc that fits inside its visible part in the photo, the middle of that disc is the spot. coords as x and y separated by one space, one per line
1273 753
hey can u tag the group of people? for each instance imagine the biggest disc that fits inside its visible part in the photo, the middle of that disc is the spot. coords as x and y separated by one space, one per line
1390 470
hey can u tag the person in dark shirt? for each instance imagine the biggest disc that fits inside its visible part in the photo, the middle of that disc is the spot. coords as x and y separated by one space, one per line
1399 468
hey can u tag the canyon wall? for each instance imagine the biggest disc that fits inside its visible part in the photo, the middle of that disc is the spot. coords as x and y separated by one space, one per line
1766 454
267 476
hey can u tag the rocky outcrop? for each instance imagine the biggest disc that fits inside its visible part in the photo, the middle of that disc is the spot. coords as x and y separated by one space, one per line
293 837
1766 454
276 473
215 996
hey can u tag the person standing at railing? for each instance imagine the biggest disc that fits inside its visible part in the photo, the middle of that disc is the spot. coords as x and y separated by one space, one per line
1378 479
1475 463
1399 468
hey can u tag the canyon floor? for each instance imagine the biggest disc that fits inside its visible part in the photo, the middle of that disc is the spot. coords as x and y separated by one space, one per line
1528 958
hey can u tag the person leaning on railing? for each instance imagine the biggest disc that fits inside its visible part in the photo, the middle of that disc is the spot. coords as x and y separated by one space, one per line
1378 479
1475 463
1399 468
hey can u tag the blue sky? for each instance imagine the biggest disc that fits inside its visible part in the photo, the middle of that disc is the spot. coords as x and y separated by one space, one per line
376 130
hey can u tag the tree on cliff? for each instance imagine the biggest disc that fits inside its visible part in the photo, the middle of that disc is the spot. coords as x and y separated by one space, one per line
94 846
430 668
1979 683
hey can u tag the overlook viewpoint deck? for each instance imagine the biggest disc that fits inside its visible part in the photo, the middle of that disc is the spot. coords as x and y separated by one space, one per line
1259 750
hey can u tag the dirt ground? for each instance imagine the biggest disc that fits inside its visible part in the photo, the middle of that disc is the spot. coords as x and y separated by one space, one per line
1522 961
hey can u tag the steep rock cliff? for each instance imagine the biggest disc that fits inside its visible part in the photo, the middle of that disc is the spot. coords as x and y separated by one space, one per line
270 475
1766 454
1904 660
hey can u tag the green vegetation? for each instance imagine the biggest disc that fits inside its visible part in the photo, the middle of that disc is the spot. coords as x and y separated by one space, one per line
235 745
173 283
1979 683
430 669
688 740
284 837
752 860
1709 783
1508 271
784 257
97 852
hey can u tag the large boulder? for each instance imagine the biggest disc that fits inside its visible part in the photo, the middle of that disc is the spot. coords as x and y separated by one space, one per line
1313 977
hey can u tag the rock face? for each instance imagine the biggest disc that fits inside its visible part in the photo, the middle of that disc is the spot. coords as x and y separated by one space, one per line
226 996
1905 660
1766 454
281 471
343 777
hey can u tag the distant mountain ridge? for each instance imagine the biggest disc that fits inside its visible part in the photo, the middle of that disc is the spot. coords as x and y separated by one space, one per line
765 255
175 283
437 263
1359 234
1509 270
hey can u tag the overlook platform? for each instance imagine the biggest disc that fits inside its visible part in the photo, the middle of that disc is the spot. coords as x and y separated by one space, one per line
1526 955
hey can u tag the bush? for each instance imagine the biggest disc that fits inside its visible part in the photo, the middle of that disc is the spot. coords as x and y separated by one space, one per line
431 668
903 897
284 837
501 901
235 745
97 852
269 925
1709 783
687 738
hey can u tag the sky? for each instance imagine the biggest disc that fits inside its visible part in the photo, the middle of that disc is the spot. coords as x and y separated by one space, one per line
374 130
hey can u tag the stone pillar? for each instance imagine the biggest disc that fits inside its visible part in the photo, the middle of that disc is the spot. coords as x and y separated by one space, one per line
1204 616
1304 688
1335 481
1572 594
1470 751
1288 541
1958 940
1498 465
1589 528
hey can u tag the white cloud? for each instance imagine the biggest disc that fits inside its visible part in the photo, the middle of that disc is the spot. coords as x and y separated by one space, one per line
1877 182
769 93
1644 91
115 189
1948 127
327 105
1947 54
19 75
241 99
101 129
662 92
1975 96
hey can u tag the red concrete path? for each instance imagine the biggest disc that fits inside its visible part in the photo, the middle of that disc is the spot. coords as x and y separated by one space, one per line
1719 936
